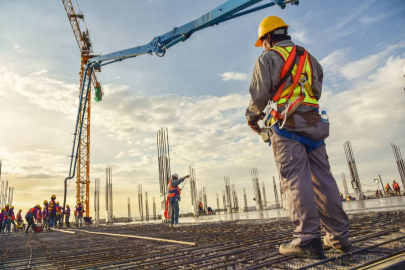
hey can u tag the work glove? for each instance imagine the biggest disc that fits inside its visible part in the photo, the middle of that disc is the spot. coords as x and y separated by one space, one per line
254 125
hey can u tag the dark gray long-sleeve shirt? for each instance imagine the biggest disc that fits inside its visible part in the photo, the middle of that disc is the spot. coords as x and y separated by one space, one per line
266 76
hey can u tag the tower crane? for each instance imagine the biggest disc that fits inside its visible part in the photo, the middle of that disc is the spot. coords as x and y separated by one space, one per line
159 45
82 154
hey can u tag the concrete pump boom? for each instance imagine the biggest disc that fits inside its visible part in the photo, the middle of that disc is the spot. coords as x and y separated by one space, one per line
229 10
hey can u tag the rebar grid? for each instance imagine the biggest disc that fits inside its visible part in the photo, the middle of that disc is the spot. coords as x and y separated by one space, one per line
247 244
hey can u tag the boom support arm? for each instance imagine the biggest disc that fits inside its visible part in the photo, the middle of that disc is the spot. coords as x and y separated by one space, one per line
229 10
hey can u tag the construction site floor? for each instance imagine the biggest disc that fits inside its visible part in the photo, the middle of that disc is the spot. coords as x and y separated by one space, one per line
378 240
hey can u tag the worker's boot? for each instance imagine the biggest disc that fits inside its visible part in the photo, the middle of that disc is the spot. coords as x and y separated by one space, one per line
341 250
312 250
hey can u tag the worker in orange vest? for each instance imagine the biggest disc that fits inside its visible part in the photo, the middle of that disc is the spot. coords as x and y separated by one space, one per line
388 189
172 202
285 88
31 216
396 188
19 220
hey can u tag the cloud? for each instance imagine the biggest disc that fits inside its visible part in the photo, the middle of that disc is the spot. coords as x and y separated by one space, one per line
234 76
372 19
18 48
367 64
301 36
334 61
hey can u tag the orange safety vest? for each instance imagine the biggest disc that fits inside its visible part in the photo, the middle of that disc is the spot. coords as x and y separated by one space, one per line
395 186
173 191
19 217
283 94
387 186
50 206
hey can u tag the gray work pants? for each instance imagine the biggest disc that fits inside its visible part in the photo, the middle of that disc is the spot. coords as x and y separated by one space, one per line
312 193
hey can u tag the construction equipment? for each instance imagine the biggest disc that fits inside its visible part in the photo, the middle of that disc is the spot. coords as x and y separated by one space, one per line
83 153
159 45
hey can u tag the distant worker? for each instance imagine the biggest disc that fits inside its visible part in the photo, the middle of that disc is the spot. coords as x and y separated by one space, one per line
59 217
19 220
172 202
67 216
377 193
200 209
31 216
12 220
6 219
2 213
289 80
388 189
52 211
45 215
396 188
210 211
88 221
79 217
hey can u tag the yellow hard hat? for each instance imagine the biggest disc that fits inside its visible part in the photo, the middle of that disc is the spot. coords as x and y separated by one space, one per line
20 210
12 207
45 202
3 209
268 24
393 180
53 197
57 202
7 205
67 206
38 206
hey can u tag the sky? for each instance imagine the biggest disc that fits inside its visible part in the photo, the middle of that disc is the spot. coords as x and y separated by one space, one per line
199 91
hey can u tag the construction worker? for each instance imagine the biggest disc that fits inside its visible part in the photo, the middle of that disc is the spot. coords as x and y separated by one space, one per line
210 211
2 213
31 216
286 75
200 208
396 188
79 217
6 219
88 221
52 211
45 215
388 189
12 220
174 198
19 220
67 216
59 218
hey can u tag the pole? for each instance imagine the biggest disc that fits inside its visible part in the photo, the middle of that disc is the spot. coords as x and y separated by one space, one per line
382 185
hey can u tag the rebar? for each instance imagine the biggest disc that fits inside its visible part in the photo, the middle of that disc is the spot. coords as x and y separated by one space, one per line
400 162
245 207
154 209
97 202
345 185
129 208
256 188
140 202
264 196
353 170
109 196
229 194
276 193
146 206
193 190
164 167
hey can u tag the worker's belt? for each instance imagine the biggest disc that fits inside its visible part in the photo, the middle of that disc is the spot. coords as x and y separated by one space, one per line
308 143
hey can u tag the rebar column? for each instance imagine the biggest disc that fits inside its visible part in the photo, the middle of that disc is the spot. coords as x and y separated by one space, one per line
235 199
245 207
224 201
264 196
193 191
97 202
353 170
129 208
218 208
164 167
276 193
140 202
205 202
154 209
400 163
345 185
256 188
146 206
228 192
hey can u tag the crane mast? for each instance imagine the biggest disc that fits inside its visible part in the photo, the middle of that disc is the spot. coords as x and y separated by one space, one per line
83 154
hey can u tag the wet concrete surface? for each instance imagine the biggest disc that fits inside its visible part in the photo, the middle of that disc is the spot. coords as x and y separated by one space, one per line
381 204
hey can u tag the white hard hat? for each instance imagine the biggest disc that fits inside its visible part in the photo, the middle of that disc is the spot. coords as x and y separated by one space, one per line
175 175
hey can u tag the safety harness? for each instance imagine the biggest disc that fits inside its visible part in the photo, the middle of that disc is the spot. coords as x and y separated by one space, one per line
173 191
293 96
